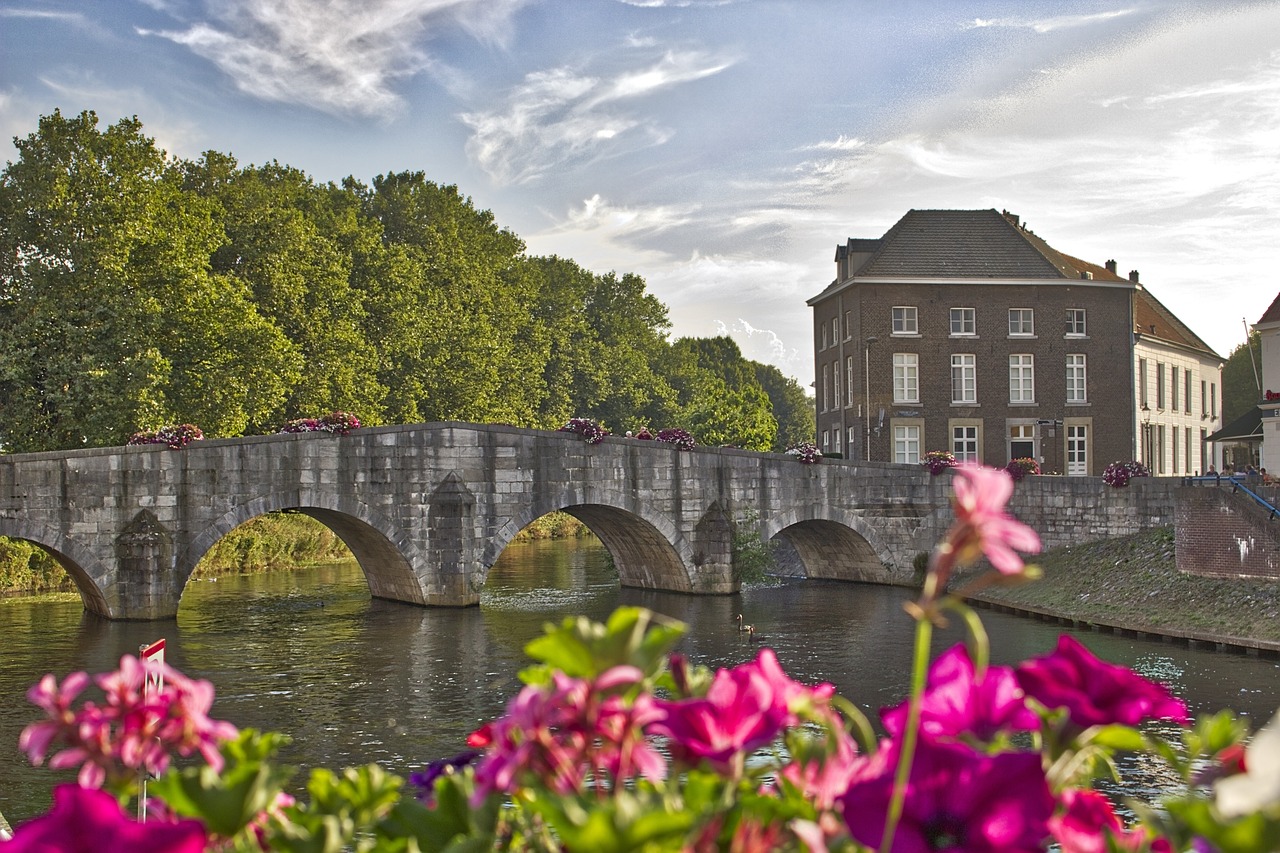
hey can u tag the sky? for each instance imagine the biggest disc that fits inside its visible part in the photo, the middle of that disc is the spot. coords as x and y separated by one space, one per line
722 149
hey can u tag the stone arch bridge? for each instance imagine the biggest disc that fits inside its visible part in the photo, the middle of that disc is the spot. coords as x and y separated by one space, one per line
426 509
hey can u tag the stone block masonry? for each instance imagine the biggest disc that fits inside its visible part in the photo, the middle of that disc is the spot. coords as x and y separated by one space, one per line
426 509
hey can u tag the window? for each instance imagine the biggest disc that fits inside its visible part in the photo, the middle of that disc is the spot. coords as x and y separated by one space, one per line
1022 441
963 322
853 432
826 440
835 440
1173 393
1160 432
1186 390
964 378
1022 384
1186 450
906 444
1142 382
1075 323
1213 399
1160 386
964 443
848 325
906 377
1077 451
1021 321
848 381
1174 437
904 320
825 341
835 330
826 387
835 385
1204 399
1076 388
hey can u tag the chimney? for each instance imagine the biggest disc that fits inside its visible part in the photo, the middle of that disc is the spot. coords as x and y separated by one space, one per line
1111 266
1133 276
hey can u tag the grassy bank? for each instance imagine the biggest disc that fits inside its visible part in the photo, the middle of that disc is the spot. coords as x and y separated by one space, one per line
1133 582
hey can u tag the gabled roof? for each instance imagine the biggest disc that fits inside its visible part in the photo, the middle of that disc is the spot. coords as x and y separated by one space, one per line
1154 321
1272 314
969 244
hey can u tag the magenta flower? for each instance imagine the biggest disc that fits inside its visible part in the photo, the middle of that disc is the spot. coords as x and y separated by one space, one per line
957 800
982 526
745 708
1093 691
955 703
130 731
86 820
1089 824
562 734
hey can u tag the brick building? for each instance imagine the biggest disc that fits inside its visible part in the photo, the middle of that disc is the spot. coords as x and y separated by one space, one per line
962 330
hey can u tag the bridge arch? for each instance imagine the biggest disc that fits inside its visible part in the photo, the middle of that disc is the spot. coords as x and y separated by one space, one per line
87 572
384 554
833 545
643 546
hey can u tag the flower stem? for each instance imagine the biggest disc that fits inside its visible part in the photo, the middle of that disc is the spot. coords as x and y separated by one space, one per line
919 668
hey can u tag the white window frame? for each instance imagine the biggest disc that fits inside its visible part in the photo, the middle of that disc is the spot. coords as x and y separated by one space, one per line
1022 322
1077 378
826 387
835 384
1076 323
1077 450
906 377
848 381
1022 378
906 444
964 322
964 378
906 320
964 442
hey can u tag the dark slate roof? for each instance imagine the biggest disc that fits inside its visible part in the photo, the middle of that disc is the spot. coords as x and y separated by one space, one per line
965 244
1272 314
1247 427
1152 320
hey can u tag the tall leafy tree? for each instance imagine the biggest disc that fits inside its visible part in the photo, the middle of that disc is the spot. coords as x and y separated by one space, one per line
719 398
792 408
1240 375
105 286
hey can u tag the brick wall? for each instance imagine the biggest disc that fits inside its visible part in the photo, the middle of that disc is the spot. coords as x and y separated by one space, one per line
1218 533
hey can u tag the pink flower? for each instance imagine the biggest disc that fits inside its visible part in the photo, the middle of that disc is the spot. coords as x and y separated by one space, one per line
85 820
1093 691
824 778
55 701
982 526
561 734
957 800
1088 824
956 703
745 708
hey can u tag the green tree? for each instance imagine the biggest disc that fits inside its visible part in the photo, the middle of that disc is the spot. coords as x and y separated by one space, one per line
719 399
112 320
792 408
1240 379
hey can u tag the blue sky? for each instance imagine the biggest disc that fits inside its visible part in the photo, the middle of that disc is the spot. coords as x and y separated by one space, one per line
722 149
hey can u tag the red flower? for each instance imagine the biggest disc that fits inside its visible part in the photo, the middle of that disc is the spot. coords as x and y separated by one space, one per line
87 820
1093 691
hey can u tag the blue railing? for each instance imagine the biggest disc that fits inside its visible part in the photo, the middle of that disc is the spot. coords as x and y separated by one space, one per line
1237 484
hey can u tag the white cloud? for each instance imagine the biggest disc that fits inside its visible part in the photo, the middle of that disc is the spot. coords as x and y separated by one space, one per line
1048 25
340 56
564 116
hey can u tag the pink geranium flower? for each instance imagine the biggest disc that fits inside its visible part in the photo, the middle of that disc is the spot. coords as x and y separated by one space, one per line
957 800
1089 824
1093 691
745 708
956 702
982 526
86 820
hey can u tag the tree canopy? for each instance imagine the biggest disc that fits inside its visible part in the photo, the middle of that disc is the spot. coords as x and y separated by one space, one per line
138 290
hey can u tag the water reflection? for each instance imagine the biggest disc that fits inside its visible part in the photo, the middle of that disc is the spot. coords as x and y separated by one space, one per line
356 680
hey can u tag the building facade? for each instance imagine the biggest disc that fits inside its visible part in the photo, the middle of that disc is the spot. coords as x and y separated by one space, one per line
961 330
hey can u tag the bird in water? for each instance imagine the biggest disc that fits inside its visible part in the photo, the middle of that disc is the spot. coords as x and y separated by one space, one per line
741 626
752 635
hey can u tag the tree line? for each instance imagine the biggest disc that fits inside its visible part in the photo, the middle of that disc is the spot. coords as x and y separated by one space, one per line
139 290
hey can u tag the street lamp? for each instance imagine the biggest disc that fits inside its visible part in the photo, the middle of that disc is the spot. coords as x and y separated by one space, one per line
866 389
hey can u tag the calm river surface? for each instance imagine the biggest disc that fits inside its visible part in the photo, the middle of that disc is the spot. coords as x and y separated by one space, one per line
355 680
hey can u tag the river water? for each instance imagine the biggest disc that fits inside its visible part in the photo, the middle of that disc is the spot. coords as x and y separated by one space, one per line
355 680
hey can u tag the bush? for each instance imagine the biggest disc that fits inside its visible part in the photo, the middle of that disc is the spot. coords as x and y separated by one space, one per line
1118 474
1022 467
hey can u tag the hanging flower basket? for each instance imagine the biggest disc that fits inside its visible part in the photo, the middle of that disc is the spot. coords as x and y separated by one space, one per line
590 431
176 437
938 461
1118 474
1022 467
678 437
